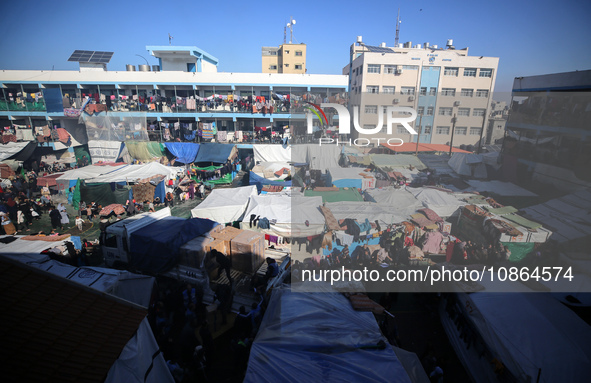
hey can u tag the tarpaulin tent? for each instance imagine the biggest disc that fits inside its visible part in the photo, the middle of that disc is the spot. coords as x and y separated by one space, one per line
400 200
468 164
320 335
291 214
271 153
443 203
335 194
216 153
351 177
361 211
259 181
185 152
155 248
133 173
20 151
225 205
69 177
225 179
318 157
49 180
102 194
396 161
104 151
145 150
273 171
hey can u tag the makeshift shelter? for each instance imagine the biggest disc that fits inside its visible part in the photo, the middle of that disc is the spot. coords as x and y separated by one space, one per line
295 216
132 173
145 150
316 156
225 205
351 177
184 152
155 248
320 335
20 151
396 161
362 211
443 203
468 164
215 153
335 194
534 336
69 177
259 181
271 153
104 151
403 202
274 171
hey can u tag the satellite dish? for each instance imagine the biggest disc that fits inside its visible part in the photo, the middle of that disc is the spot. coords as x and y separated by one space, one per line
289 24
293 22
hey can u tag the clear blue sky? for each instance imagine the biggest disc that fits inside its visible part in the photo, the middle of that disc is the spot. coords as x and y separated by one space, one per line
530 38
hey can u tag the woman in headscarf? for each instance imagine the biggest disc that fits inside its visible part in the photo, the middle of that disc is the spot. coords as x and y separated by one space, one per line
65 220
7 225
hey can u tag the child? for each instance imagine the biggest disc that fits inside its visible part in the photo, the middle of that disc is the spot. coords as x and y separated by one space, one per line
79 222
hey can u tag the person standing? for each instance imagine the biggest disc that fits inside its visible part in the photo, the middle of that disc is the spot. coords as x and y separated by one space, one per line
56 217
225 264
79 222
202 191
192 190
65 220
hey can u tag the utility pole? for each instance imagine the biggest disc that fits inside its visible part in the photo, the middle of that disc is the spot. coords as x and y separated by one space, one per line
419 136
453 128
397 29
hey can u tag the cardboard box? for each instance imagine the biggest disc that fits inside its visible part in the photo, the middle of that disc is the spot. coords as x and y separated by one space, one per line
248 251
226 235
193 252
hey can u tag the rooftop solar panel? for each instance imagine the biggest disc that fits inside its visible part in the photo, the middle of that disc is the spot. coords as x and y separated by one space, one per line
91 56
379 49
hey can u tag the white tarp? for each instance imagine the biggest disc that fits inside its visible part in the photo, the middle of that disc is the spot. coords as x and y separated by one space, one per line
132 173
501 188
141 360
104 151
291 214
401 201
267 170
319 337
11 148
361 211
88 172
468 164
271 153
225 205
395 161
533 334
351 177
443 203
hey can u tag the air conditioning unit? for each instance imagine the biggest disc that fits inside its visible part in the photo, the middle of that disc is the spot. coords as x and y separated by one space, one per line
411 98
457 103
398 71
396 101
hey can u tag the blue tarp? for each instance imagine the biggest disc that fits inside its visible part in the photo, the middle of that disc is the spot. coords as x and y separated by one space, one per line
348 183
53 100
216 153
184 152
160 191
259 181
155 248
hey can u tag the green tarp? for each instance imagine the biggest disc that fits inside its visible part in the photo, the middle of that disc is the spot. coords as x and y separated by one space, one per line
343 194
145 150
80 152
519 249
502 210
76 197
102 194
522 221
227 179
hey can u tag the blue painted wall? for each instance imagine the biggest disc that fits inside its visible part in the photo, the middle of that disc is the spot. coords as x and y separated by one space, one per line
430 80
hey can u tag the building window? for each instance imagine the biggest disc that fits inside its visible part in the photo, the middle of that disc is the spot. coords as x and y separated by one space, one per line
273 67
442 130
298 53
445 111
427 129
298 66
432 91
389 89
401 130
481 92
475 131
371 109
273 53
478 112
407 90
485 73
389 69
430 110
461 130
367 127
464 112
423 91
410 67
469 72
286 52
373 68
451 71
467 93
373 89
286 65
448 91
420 110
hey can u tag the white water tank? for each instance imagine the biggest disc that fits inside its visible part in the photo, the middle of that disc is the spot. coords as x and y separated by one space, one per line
383 45
359 39
144 68
155 68
130 68
450 42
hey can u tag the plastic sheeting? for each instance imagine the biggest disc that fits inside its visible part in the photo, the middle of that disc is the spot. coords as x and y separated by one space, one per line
442 203
338 195
505 189
361 211
141 360
351 177
319 337
88 172
318 157
102 194
185 152
468 164
216 153
271 153
259 181
145 150
155 247
291 214
132 173
107 127
104 151
532 334
396 161
225 205
400 200
20 151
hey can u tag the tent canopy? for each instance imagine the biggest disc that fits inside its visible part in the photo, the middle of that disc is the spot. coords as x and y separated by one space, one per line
88 172
216 153
468 164
20 151
320 335
259 181
401 201
441 202
185 152
337 195
271 153
225 205
132 173
351 177
396 161
155 247
361 211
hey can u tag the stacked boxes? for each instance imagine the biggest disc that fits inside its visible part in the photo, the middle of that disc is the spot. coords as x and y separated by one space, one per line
226 235
248 251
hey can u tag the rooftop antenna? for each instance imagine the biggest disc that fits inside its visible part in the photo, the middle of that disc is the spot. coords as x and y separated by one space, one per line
397 29
284 35
290 26
170 39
